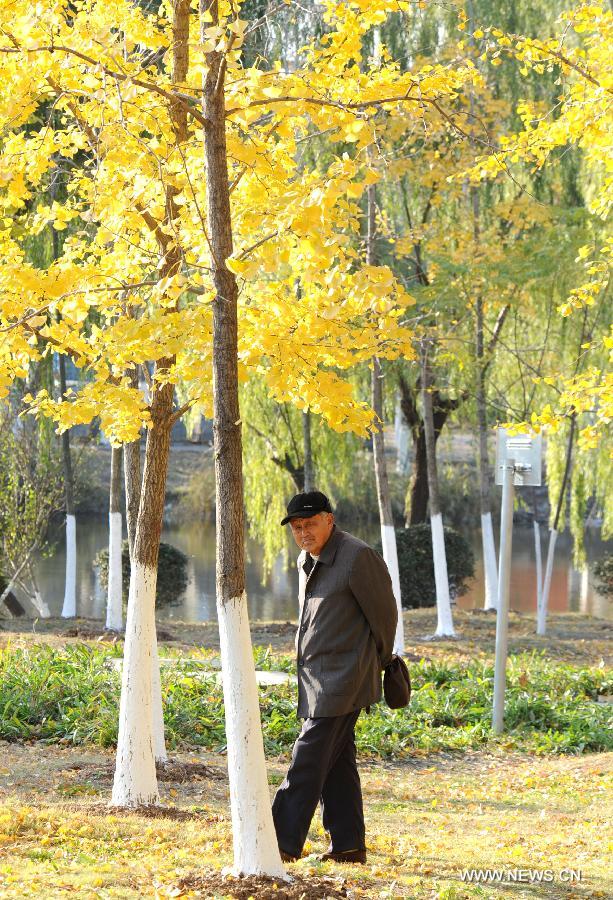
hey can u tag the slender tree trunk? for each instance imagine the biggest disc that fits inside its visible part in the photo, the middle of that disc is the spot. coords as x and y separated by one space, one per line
309 470
141 727
541 622
487 531
114 603
132 476
539 563
386 521
133 489
388 534
401 433
135 778
444 626
416 506
417 511
584 593
69 608
255 844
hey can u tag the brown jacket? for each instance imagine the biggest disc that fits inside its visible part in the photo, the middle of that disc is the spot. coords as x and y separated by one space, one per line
347 626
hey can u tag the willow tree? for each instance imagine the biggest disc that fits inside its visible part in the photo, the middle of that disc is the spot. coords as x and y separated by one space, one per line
578 58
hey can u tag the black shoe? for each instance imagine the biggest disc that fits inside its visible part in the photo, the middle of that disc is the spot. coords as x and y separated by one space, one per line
287 857
345 856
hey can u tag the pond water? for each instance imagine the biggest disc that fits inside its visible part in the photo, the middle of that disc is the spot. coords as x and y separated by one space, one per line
276 598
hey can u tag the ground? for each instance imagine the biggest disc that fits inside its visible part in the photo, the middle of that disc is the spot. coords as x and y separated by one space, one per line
427 821
429 818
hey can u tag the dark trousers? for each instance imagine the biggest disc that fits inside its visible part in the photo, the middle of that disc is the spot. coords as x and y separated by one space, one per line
323 769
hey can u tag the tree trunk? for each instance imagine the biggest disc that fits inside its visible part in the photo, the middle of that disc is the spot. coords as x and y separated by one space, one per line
487 532
69 608
141 728
418 484
255 844
132 476
416 508
444 626
401 434
388 534
539 563
309 471
541 625
135 779
114 603
386 521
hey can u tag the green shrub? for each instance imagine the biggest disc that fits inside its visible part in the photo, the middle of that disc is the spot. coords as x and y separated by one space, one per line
72 695
172 572
603 570
416 565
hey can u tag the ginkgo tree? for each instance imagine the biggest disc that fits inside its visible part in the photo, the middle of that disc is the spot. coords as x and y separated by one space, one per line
189 219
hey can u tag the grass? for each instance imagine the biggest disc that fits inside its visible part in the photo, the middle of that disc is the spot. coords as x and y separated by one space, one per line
71 694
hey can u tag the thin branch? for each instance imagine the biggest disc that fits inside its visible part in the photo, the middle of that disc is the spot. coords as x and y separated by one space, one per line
334 104
172 96
263 19
259 243
178 413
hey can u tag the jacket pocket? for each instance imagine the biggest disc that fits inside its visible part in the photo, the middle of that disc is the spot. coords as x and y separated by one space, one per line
339 672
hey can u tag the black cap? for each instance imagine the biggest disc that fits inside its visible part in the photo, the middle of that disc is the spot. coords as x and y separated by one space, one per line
303 506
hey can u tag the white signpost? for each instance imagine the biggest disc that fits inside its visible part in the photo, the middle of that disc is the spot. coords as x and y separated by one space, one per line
518 463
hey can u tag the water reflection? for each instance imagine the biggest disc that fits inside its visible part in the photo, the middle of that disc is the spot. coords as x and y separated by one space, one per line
276 598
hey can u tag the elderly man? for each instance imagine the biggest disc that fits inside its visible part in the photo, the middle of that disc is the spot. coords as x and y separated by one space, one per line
345 638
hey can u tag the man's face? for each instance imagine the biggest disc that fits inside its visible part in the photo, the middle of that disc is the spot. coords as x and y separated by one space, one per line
312 533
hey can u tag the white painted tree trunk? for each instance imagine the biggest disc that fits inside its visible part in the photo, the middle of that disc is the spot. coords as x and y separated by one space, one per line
390 555
490 566
159 742
255 842
114 600
69 609
541 621
539 564
573 590
403 456
40 605
584 595
444 627
135 781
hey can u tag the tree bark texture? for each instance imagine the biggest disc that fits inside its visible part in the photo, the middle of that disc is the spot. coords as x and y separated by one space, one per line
386 520
114 602
309 470
255 844
487 535
388 534
132 477
140 738
69 608
443 601
416 511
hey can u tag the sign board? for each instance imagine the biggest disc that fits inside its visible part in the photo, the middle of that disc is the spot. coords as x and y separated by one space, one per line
523 452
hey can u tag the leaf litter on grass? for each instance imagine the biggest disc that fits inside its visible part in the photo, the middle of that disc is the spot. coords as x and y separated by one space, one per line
261 887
